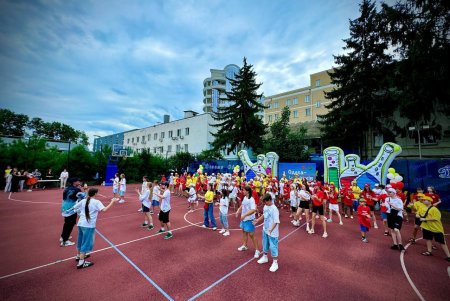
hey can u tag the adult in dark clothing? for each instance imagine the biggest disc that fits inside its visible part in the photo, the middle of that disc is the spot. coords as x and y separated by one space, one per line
15 180
70 217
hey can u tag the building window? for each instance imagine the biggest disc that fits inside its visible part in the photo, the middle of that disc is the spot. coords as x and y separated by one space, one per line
308 112
295 113
270 106
317 104
318 83
162 149
275 105
154 150
170 134
128 141
186 149
162 135
295 101
178 148
270 118
148 137
276 117
307 98
143 138
178 132
169 148
132 140
288 102
155 136
186 131
137 139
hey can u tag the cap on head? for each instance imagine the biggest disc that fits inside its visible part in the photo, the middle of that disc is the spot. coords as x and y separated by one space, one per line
391 190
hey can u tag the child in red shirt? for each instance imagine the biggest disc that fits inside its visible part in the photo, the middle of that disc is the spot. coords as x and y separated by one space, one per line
364 218
348 203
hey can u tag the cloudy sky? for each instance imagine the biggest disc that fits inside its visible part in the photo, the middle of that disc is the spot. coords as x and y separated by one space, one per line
111 66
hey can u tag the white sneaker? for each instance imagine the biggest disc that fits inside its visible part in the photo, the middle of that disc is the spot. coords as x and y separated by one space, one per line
263 259
242 248
311 231
204 226
222 231
341 223
140 210
214 228
60 239
274 267
121 201
257 253
67 243
375 226
307 229
351 216
226 233
329 220
325 235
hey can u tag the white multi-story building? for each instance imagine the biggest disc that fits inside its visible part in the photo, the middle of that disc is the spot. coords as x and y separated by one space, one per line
191 134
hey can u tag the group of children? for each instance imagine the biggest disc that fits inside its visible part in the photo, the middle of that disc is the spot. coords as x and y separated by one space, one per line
303 197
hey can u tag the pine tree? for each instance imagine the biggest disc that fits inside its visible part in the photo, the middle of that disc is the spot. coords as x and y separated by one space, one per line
238 123
359 103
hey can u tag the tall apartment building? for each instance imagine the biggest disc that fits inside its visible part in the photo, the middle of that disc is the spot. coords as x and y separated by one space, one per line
305 103
214 87
190 134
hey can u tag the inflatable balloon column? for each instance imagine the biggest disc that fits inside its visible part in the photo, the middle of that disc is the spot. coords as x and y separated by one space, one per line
236 170
343 170
199 170
265 164
395 179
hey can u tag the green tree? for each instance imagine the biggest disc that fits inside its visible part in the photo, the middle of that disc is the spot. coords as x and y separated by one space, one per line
289 144
210 154
239 122
180 161
419 32
12 124
360 102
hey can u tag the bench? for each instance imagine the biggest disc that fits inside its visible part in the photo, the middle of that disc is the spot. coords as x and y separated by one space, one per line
57 181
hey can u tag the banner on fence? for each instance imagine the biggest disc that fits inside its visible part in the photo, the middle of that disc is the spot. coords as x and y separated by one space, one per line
303 170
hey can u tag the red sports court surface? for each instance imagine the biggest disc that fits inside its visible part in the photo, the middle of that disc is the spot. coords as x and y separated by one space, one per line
132 263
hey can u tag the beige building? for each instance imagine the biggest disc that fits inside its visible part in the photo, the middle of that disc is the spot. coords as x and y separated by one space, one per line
305 103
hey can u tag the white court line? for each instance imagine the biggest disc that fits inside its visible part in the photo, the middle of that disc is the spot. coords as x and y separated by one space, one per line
214 218
152 282
31 202
402 262
96 251
235 270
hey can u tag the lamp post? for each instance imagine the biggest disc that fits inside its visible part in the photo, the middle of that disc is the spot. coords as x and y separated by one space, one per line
418 128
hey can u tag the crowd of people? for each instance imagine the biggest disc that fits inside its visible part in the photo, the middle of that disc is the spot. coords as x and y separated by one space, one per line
19 180
314 201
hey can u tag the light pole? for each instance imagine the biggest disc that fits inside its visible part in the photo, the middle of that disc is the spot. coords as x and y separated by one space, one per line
418 128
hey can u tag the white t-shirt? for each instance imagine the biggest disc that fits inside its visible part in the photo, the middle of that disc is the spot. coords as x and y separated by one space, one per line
64 175
223 205
165 201
192 195
144 198
156 191
304 196
293 198
116 183
233 192
396 202
247 205
94 207
271 216
123 184
144 186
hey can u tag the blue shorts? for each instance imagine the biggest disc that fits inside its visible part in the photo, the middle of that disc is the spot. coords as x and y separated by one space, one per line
247 226
224 220
363 228
383 215
115 190
269 243
121 193
86 237
155 203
